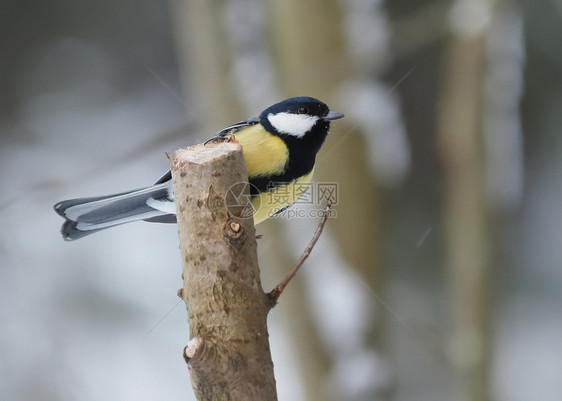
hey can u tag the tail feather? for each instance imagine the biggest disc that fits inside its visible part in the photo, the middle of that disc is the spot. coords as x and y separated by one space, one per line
70 232
86 216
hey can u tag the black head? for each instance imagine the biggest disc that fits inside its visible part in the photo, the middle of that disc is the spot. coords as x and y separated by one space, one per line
303 124
298 116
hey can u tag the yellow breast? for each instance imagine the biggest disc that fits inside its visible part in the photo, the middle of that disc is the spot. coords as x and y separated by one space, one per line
265 154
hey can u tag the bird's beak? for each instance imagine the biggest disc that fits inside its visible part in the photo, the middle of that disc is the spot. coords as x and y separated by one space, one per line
332 115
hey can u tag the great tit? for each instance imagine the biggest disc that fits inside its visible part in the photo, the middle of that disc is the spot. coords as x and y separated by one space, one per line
279 148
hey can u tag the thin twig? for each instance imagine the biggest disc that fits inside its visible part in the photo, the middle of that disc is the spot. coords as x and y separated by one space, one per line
274 294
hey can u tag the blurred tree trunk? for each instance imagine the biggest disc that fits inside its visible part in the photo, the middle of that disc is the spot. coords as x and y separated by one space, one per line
204 63
311 55
465 213
312 59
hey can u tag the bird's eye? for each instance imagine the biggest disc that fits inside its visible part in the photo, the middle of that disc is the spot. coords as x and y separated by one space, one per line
302 110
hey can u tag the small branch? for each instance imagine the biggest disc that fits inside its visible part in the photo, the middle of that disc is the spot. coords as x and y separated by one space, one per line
274 294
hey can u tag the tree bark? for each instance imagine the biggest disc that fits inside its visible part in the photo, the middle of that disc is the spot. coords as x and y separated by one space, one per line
228 355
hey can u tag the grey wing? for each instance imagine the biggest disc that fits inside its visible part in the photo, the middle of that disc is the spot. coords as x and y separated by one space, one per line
232 129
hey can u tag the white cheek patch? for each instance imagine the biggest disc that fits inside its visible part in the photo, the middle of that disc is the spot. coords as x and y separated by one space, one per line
292 124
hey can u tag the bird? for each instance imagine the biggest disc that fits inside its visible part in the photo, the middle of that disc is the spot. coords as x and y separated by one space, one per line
279 149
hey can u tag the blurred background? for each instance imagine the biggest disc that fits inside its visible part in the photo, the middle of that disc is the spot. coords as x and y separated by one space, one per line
439 279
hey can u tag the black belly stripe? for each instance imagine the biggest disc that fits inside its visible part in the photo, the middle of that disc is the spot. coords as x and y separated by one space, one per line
264 184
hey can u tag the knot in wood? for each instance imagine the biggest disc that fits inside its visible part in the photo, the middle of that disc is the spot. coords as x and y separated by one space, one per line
235 234
235 227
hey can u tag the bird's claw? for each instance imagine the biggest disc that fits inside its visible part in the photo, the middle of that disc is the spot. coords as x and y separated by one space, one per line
220 137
